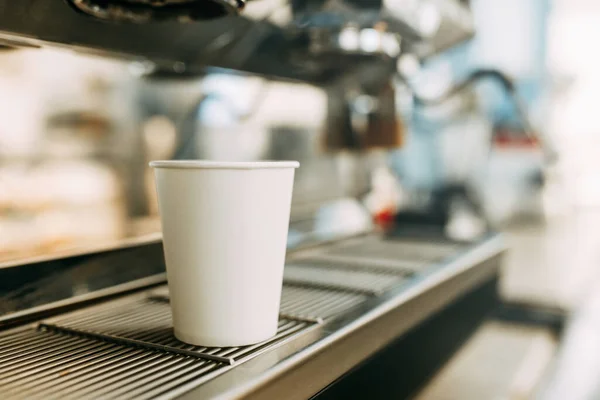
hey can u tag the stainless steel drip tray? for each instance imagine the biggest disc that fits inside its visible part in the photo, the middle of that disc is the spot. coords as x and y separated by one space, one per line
331 317
126 349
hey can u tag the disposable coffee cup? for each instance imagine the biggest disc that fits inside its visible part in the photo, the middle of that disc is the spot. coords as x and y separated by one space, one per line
225 227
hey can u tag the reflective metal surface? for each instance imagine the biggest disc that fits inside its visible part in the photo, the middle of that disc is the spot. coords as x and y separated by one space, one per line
141 11
48 284
340 279
252 42
125 348
355 336
52 365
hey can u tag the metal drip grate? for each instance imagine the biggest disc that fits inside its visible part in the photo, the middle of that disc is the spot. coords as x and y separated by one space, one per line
313 302
147 323
126 349
410 256
365 282
305 302
352 264
38 364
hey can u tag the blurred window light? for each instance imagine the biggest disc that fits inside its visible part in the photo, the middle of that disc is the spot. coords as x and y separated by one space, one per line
507 35
572 37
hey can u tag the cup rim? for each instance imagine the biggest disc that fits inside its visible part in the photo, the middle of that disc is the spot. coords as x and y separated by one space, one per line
208 164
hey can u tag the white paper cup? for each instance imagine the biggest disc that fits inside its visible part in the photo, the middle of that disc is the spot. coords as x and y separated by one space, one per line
225 228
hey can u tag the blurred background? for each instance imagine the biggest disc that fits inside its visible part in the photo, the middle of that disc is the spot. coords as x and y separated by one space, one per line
77 132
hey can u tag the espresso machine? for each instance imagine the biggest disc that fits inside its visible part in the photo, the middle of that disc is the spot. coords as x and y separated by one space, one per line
95 322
